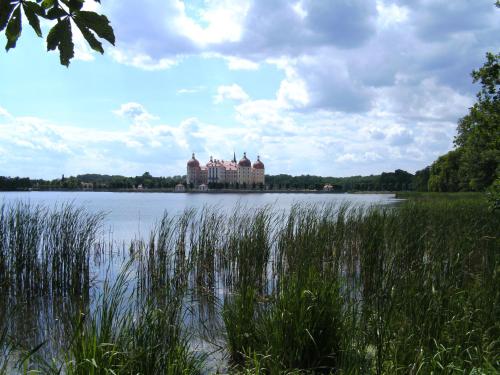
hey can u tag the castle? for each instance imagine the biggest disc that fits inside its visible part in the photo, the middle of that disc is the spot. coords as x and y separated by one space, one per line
241 173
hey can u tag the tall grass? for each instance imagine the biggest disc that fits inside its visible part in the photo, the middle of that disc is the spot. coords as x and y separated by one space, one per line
4 348
46 251
122 338
410 289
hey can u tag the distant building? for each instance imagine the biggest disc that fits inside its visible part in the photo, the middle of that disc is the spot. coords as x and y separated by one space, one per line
226 172
203 187
328 187
179 188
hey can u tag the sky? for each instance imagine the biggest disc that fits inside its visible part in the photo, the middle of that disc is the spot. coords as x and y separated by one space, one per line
332 88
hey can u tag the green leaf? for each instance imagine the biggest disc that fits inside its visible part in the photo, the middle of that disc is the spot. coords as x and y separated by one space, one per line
89 37
48 3
56 13
6 9
14 28
97 23
32 11
60 36
75 5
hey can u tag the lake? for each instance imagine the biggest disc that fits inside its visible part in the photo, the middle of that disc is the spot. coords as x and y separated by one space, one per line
129 215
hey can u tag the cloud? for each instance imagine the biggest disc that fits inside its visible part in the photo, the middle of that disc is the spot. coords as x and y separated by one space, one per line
358 158
376 134
141 60
401 137
352 21
341 50
222 22
440 19
135 112
390 14
39 148
320 142
4 113
379 83
237 63
192 90
231 92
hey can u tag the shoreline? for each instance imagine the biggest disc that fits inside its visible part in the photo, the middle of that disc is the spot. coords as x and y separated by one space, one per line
213 191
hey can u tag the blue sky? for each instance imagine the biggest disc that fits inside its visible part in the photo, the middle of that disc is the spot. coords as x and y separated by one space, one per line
335 88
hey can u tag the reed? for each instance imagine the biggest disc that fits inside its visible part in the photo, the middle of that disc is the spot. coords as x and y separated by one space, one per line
408 289
120 337
46 251
317 289
4 349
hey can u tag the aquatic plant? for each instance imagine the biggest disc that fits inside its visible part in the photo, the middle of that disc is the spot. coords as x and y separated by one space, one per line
411 288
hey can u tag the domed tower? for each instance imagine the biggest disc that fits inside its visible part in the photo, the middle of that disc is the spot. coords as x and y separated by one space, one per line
245 171
258 171
193 171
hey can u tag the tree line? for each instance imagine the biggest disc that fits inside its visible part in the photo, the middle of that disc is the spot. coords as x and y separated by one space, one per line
91 181
394 181
398 180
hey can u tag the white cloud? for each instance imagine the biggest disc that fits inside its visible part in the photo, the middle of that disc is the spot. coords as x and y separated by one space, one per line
232 92
134 111
237 63
141 60
192 90
223 20
378 83
325 143
298 7
390 14
4 113
359 158
293 90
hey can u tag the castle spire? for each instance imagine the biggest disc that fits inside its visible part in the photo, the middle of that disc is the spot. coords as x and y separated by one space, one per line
234 156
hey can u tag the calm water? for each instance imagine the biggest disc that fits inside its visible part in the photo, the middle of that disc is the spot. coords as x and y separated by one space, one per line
129 215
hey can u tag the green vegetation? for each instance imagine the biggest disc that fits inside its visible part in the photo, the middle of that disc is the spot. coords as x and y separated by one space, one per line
418 195
119 337
46 251
474 164
398 180
96 181
411 288
387 181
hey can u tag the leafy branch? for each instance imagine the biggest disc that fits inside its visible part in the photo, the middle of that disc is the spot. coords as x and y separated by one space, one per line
66 14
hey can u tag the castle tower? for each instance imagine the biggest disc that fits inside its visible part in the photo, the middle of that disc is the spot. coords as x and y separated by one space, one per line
245 171
193 171
258 172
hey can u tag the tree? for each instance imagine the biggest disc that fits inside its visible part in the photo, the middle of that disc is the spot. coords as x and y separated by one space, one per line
66 14
444 173
422 179
478 133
